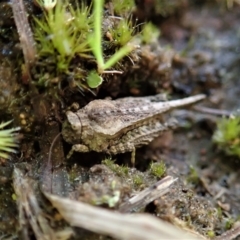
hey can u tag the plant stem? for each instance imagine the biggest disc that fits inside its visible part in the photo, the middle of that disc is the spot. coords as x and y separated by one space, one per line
98 9
124 51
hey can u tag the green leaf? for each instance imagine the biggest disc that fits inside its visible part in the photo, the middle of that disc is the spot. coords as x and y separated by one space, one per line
94 80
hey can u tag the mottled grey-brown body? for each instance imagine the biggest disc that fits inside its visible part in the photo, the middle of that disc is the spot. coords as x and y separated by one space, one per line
118 126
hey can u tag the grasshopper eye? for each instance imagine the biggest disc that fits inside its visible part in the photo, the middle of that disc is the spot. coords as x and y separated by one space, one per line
73 121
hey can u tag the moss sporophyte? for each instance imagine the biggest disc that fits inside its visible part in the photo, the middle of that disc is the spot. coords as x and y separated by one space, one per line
68 32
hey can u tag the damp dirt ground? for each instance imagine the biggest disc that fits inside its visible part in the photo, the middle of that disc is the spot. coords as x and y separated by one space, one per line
205 38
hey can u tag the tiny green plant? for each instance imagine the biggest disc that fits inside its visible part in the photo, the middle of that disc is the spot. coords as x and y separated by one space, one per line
8 140
138 180
94 80
61 35
70 35
211 234
193 176
158 169
122 33
149 33
227 135
95 41
119 170
123 7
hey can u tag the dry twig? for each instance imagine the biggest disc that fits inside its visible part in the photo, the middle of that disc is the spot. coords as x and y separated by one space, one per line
148 195
25 33
118 225
30 213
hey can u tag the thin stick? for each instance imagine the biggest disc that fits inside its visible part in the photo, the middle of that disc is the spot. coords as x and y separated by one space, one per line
148 195
114 224
25 33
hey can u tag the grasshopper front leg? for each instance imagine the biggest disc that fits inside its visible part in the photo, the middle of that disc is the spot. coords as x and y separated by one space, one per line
78 148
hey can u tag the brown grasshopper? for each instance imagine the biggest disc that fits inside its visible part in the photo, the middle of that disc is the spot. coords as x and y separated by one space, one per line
122 125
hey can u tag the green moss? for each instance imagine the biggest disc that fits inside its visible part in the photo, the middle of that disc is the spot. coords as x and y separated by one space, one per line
227 136
211 234
122 32
193 176
229 223
138 180
123 7
62 33
158 169
8 140
69 37
121 171
149 33
219 212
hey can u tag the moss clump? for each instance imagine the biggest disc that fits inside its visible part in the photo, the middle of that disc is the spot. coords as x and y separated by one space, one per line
122 33
149 33
63 34
73 40
211 234
229 223
138 180
8 140
158 169
227 136
121 171
123 7
193 176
